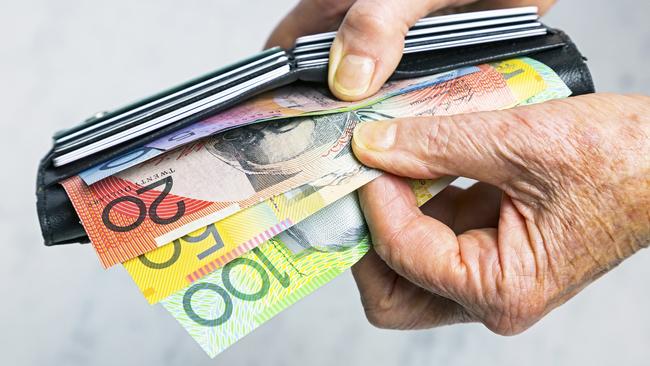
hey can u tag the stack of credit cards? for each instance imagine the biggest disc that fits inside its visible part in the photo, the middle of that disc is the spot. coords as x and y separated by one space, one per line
441 32
185 101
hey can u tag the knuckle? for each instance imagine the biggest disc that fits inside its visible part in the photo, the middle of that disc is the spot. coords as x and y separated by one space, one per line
378 311
511 326
402 250
377 319
518 316
534 147
437 137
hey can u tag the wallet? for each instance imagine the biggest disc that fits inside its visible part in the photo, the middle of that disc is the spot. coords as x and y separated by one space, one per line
433 45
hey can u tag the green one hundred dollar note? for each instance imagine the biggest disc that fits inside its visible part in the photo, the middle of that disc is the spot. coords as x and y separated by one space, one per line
234 300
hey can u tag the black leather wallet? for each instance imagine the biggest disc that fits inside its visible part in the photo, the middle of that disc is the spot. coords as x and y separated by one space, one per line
58 219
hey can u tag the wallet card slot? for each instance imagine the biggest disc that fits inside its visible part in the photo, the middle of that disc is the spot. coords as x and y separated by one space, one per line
472 25
438 37
155 105
170 107
98 118
477 15
440 21
472 33
414 35
425 63
166 108
483 39
452 41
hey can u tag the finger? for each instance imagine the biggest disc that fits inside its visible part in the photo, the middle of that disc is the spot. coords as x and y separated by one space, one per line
390 301
401 235
423 249
308 17
373 277
487 146
368 45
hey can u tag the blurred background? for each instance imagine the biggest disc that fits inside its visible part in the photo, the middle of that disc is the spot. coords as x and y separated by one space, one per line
62 61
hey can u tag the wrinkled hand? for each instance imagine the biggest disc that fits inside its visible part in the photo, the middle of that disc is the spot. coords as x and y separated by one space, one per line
565 194
370 37
565 198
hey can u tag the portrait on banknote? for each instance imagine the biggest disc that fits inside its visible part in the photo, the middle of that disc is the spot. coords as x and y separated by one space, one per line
325 231
272 152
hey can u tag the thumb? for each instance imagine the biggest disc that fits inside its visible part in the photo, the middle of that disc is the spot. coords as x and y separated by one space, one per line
368 45
487 146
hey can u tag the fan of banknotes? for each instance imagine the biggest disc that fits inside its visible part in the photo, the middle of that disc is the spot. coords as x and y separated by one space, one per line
227 229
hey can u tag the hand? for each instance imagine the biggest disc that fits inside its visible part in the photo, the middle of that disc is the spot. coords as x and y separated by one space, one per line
565 198
370 39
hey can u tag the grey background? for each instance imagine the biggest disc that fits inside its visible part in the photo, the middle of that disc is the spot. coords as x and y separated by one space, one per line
61 61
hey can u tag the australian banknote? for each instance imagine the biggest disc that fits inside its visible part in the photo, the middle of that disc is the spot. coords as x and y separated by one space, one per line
555 87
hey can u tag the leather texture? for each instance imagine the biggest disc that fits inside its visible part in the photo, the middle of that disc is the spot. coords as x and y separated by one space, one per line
60 223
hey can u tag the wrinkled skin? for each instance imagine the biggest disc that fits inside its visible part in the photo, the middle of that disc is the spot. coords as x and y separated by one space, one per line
564 195
568 199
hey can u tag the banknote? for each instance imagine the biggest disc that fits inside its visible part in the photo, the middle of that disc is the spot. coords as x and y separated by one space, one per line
522 78
169 268
518 79
156 282
139 209
296 100
232 301
555 87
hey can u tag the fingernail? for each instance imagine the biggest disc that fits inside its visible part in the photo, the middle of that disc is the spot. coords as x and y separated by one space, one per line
351 74
376 136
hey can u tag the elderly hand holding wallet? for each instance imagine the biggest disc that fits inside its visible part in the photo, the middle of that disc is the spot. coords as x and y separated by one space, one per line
564 192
